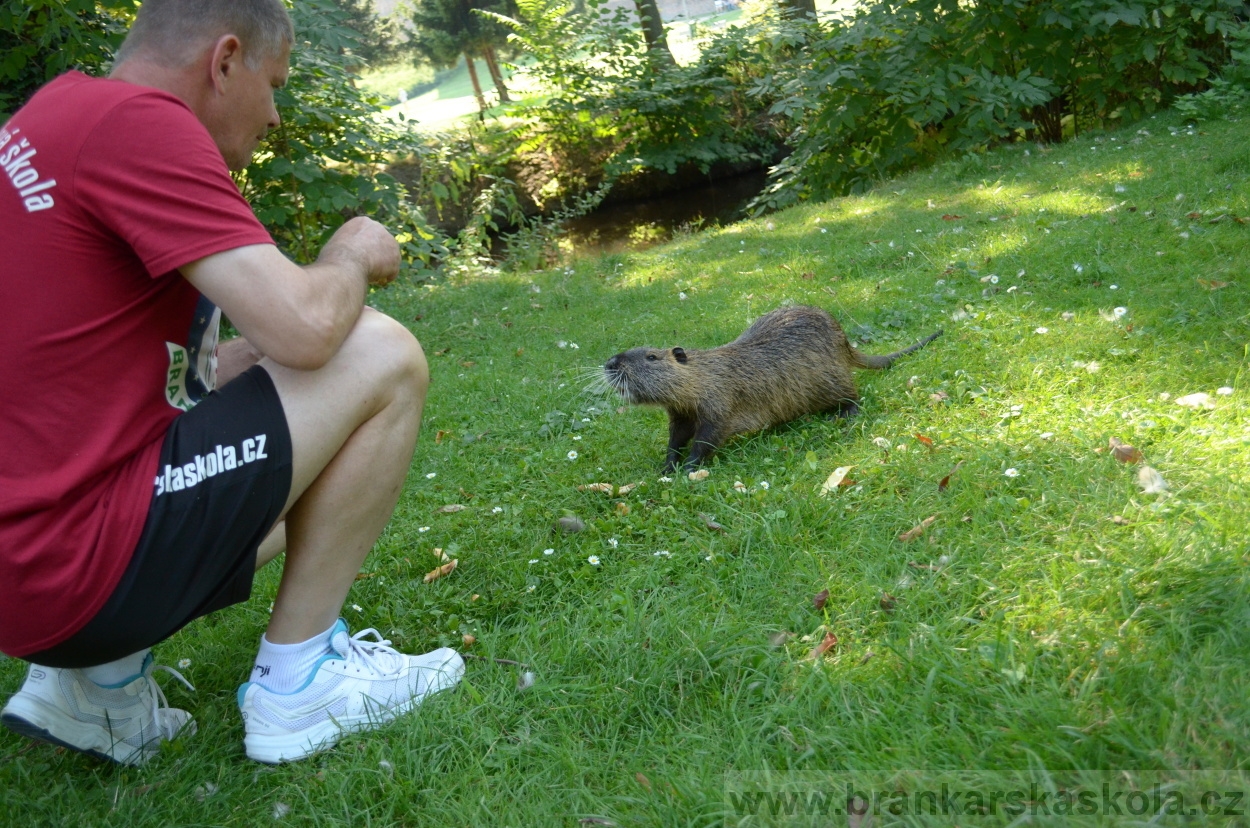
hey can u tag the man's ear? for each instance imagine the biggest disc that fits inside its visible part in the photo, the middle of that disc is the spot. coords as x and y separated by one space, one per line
227 54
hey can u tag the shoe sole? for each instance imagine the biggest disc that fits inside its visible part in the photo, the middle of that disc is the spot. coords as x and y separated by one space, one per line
291 747
29 727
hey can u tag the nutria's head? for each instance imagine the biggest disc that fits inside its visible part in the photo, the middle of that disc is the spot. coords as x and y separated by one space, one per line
654 376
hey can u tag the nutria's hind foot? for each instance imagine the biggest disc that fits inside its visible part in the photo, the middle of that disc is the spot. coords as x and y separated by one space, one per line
846 408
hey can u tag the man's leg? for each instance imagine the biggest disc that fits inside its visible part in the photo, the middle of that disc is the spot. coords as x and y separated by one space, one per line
353 426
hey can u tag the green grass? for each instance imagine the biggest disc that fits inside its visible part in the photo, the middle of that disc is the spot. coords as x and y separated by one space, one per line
1072 621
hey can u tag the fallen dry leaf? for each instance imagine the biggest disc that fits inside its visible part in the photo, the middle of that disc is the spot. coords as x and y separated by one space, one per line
622 508
364 576
808 275
924 441
1212 284
711 524
939 396
445 569
438 437
819 600
1124 452
1151 481
830 641
951 217
925 567
838 478
641 779
888 602
440 554
451 508
1119 520
946 481
701 474
468 363
468 640
918 530
1199 400
606 488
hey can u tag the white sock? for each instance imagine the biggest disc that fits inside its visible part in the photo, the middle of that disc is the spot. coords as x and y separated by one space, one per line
116 673
284 667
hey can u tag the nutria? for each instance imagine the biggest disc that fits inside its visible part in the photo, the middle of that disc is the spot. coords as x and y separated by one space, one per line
792 361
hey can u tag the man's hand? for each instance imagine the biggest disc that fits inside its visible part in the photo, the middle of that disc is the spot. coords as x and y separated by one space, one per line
368 244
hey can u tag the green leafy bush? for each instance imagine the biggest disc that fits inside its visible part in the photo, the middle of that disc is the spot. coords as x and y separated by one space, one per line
608 110
902 83
40 39
326 162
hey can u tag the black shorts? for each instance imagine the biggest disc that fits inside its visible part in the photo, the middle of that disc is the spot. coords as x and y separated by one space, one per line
223 478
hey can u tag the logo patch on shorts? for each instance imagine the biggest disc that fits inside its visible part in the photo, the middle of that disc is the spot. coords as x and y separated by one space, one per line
203 466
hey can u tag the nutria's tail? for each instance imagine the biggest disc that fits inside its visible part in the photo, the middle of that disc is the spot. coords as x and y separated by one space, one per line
879 362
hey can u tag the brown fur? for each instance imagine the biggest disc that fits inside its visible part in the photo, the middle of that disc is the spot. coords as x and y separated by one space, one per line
792 361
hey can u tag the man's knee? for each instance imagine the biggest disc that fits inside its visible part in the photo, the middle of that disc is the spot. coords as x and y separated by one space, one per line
383 343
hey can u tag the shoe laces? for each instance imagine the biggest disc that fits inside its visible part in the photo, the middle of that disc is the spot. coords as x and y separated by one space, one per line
159 702
376 656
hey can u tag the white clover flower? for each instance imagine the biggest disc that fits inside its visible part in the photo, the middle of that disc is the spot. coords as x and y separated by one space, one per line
423 528
666 480
357 607
572 455
549 551
1078 268
577 436
562 344
1042 330
593 560
1114 287
431 475
823 230
1119 312
1067 316
496 510
184 663
613 543
993 278
531 587
663 553
682 295
533 560
708 558
1012 473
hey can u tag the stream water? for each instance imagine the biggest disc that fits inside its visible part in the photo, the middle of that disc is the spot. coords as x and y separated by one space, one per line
633 225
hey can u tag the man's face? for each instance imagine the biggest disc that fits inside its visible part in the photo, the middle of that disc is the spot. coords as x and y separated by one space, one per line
248 110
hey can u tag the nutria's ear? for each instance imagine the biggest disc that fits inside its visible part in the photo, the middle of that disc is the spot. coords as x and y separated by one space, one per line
679 355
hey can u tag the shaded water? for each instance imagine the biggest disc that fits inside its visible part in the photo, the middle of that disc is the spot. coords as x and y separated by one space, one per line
633 225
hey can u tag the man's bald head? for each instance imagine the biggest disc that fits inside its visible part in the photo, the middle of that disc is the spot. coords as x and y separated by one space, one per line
173 32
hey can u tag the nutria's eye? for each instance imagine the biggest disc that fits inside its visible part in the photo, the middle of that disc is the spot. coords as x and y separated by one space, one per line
652 357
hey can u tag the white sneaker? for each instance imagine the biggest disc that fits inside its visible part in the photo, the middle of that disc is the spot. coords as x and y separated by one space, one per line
123 723
363 685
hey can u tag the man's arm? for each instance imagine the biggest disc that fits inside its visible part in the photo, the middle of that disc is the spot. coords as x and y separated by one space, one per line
298 316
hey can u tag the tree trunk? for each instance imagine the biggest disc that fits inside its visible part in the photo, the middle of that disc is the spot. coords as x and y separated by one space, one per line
492 63
477 85
653 32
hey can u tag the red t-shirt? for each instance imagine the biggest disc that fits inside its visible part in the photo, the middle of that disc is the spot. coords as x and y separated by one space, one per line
106 188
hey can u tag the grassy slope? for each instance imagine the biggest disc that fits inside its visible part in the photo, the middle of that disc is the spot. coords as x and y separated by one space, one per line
1051 633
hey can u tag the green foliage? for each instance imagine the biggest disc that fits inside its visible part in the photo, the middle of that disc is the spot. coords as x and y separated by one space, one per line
610 110
904 83
1230 91
325 163
40 39
443 30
